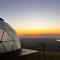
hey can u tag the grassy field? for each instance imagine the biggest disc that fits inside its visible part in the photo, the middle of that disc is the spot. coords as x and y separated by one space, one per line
50 53
46 55
42 56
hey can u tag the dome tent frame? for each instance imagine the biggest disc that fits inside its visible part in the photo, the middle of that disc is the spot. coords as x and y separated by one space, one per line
1 41
1 19
7 35
9 42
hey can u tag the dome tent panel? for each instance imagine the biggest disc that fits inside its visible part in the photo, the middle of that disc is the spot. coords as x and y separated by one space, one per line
17 41
8 46
2 49
14 46
10 33
1 33
8 38
18 44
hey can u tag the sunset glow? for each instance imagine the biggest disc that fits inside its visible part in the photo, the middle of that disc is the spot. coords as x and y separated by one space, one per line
37 31
32 16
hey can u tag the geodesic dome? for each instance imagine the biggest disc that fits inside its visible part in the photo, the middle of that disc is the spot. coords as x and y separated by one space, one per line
8 38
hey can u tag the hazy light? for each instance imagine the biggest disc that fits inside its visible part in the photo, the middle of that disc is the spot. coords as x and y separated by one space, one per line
58 40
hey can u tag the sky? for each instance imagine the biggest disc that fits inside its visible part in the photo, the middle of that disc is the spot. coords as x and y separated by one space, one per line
32 16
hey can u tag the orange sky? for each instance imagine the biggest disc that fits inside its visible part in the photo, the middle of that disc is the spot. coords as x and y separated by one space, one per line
32 16
29 31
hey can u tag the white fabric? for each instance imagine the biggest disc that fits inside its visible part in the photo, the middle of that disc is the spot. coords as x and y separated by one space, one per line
8 38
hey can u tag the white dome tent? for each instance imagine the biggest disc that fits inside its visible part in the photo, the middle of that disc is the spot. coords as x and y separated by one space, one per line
9 42
8 38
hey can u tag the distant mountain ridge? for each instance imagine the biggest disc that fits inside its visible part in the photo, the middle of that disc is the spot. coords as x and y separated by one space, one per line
41 36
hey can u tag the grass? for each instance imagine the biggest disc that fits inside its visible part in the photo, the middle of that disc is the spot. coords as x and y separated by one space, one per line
39 56
49 55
